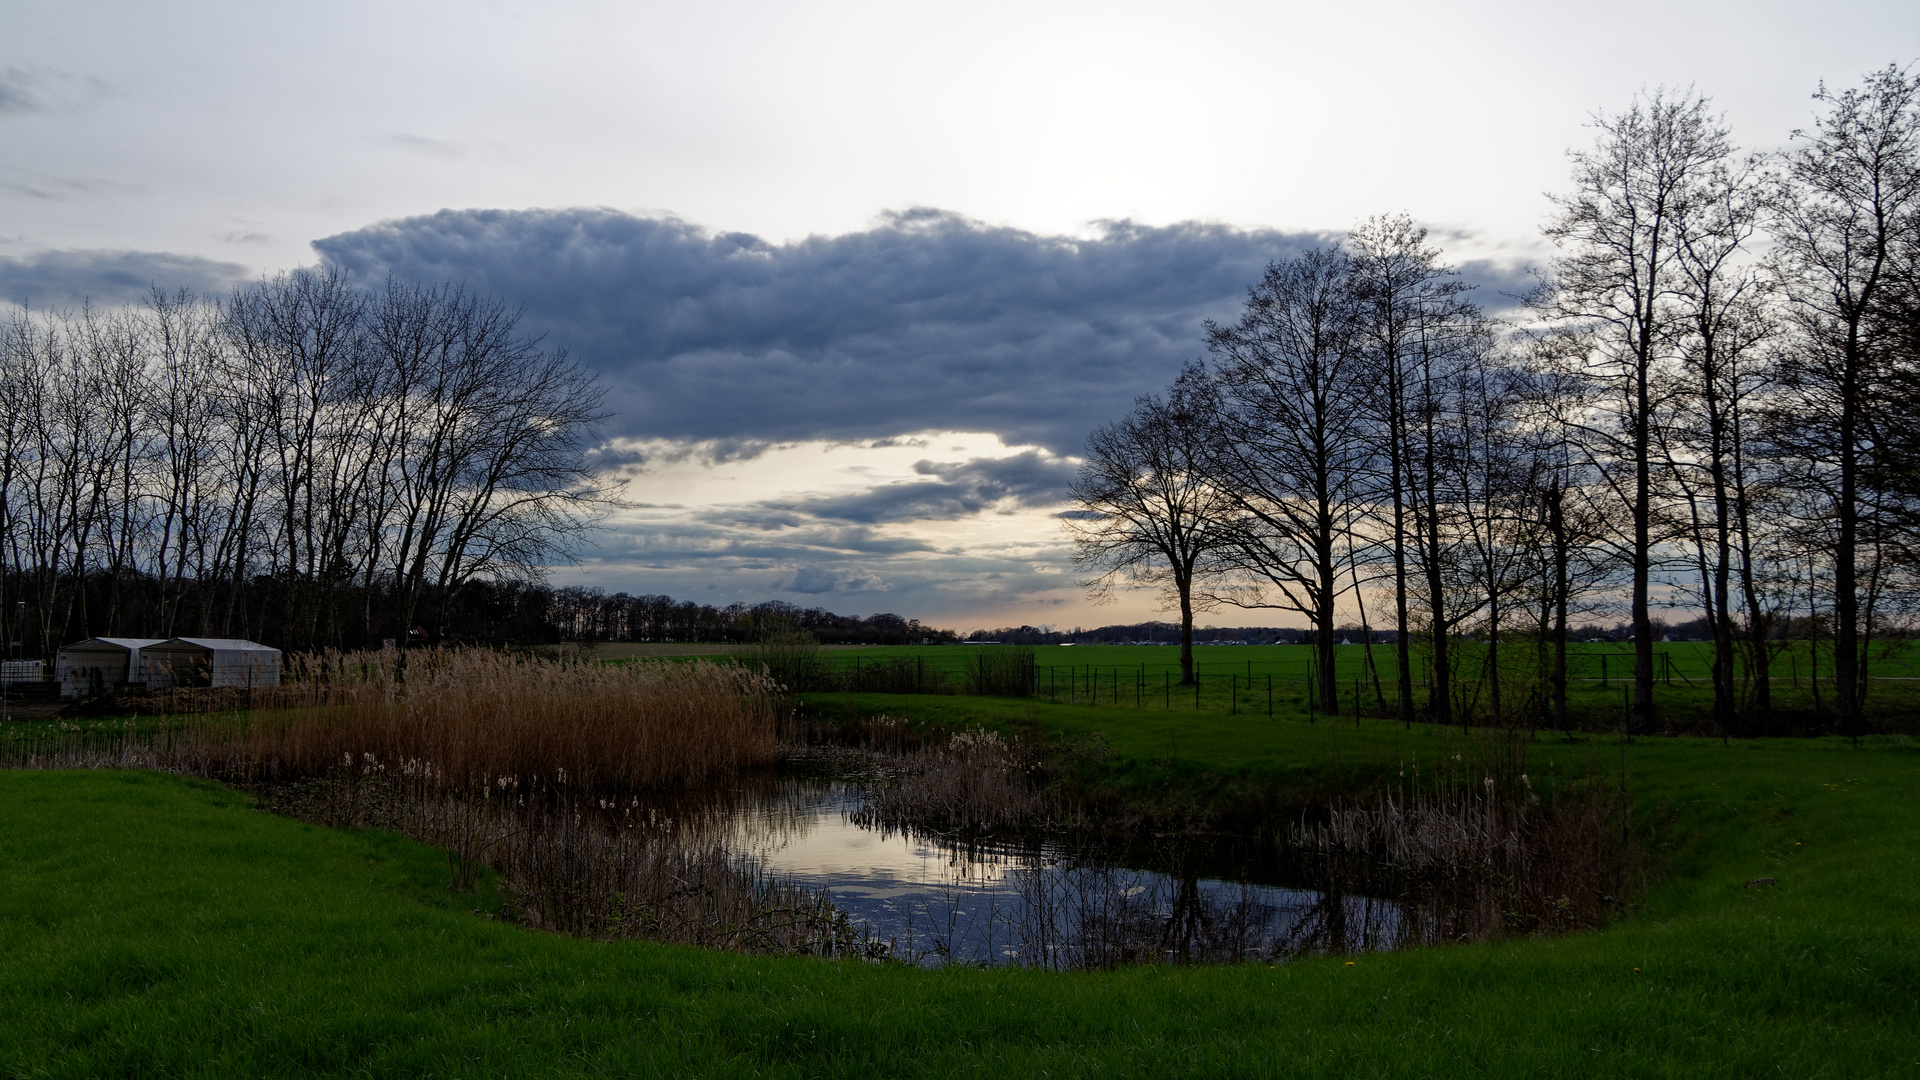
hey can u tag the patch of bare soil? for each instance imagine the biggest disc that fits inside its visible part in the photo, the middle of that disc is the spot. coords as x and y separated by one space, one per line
35 709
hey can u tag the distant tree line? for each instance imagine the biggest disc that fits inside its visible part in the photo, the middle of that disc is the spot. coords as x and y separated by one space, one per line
303 462
1160 633
1167 633
1708 402
589 614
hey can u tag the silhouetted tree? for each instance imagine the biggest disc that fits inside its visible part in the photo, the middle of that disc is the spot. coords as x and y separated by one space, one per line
1845 219
1614 289
1293 451
1148 511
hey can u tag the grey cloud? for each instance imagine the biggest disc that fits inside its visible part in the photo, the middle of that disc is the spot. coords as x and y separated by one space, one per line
755 533
1500 287
938 586
61 188
616 459
953 490
718 346
927 321
44 90
1031 478
814 580
14 97
58 278
448 149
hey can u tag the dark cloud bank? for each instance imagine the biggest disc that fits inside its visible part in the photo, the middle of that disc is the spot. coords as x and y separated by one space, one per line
54 279
926 321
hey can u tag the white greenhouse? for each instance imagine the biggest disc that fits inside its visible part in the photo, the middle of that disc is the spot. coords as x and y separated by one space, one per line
101 665
211 662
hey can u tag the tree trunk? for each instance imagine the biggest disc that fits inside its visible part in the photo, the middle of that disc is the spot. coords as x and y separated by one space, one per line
1846 600
1185 585
1642 715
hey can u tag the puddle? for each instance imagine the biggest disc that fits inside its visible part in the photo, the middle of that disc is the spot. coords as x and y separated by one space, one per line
1032 904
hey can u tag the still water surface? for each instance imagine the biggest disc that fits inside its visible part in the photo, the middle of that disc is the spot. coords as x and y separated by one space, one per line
1034 903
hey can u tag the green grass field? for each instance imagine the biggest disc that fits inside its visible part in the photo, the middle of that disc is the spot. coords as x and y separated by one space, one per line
151 925
1273 679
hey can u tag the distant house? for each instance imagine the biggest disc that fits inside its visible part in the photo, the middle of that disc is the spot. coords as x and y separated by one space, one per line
101 665
211 662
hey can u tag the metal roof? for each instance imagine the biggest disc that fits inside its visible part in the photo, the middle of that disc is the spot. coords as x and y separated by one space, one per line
117 642
221 644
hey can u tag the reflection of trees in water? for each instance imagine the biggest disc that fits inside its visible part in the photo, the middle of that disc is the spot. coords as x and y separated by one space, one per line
1091 915
1341 923
1085 913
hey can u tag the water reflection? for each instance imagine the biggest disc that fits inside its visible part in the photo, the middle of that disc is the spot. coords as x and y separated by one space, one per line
1039 904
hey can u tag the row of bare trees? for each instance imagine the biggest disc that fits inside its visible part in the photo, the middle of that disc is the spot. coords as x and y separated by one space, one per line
1707 402
305 462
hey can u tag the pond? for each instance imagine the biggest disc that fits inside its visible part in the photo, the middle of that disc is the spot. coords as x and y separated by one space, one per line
1037 902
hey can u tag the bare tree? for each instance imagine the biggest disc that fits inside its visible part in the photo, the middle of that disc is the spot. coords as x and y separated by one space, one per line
1407 299
1614 289
281 465
1894 468
1498 468
299 333
182 413
486 473
1149 513
1714 389
1293 451
1845 217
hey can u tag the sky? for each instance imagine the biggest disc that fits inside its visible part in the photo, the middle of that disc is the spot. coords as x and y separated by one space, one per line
859 278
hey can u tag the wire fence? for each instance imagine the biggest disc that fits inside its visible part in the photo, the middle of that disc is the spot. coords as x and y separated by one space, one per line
1508 680
1018 672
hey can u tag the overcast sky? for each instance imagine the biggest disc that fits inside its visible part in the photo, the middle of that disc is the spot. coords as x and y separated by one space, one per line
859 276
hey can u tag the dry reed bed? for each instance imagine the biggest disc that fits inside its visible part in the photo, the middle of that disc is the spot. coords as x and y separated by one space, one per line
592 867
975 783
1471 864
470 719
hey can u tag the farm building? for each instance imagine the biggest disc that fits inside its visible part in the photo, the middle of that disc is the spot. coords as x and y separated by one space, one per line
101 665
211 662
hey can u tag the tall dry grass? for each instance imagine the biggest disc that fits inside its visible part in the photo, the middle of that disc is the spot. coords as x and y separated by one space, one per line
464 720
619 867
1473 864
974 784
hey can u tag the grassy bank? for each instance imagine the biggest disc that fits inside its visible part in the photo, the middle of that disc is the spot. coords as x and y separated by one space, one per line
156 926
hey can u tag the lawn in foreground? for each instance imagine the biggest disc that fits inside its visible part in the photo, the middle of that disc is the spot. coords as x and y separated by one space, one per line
151 925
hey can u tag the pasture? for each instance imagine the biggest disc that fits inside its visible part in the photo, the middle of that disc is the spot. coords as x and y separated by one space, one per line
153 925
1274 680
